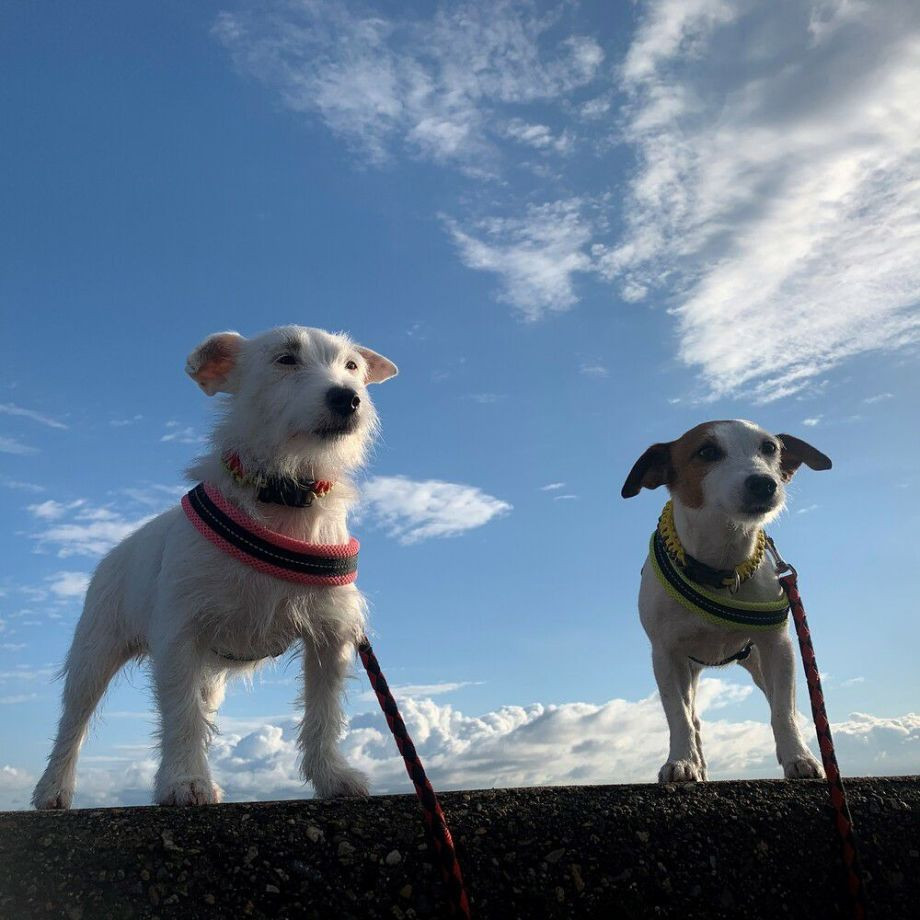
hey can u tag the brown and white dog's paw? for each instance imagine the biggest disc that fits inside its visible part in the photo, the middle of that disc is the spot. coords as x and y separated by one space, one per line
681 771
804 767
189 791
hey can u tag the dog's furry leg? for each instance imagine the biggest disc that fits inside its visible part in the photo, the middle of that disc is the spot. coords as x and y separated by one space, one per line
326 662
185 696
777 667
675 686
697 734
95 657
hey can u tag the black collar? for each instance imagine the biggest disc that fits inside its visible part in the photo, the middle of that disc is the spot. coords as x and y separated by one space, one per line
291 493
704 574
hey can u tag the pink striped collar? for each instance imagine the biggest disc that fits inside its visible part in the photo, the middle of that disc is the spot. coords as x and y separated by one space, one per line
234 532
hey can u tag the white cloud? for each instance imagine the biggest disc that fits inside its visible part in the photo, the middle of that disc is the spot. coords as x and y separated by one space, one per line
536 257
777 190
552 486
80 529
68 584
413 510
436 88
51 510
182 434
21 486
812 422
541 744
879 397
13 409
15 446
594 370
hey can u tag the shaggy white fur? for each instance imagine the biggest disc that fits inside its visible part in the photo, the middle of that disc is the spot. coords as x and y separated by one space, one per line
726 481
168 594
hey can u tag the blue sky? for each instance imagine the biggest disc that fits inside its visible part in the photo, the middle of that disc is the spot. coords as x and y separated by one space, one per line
578 229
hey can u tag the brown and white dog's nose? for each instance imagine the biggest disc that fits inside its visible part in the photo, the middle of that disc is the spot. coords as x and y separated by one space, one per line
342 401
763 488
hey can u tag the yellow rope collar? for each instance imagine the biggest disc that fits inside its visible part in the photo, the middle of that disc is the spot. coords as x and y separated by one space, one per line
740 573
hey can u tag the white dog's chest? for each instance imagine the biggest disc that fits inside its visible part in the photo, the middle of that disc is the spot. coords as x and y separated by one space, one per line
670 625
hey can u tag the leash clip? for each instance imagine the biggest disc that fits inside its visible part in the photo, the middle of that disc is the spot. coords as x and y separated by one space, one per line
780 566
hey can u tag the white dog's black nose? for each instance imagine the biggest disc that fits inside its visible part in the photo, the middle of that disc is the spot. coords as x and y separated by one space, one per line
342 401
762 488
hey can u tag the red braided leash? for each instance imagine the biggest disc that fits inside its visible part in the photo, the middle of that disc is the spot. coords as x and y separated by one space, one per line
842 820
434 818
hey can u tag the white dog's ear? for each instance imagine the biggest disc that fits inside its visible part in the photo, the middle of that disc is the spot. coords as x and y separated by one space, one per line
651 470
795 452
210 364
378 367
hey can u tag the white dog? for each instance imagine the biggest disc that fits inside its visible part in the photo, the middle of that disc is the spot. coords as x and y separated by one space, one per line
297 420
708 594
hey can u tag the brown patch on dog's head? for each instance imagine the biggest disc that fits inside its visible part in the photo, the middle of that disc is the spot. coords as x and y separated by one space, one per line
674 464
795 452
212 362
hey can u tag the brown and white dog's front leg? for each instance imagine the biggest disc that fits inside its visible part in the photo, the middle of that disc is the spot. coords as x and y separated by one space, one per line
777 667
676 689
328 654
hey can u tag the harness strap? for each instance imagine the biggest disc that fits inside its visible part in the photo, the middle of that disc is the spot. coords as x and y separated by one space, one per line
235 533
723 611
738 656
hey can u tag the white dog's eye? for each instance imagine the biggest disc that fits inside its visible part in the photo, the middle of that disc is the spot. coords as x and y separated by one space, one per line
768 448
351 366
286 359
709 453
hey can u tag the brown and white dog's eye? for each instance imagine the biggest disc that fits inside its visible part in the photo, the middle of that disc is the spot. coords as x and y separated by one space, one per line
710 453
286 359
351 366
769 448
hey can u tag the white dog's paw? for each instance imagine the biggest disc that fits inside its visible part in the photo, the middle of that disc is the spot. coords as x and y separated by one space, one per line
52 796
194 790
804 767
681 771
340 782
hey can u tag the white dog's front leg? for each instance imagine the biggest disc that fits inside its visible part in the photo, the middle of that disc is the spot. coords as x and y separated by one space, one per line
326 661
186 699
777 665
675 687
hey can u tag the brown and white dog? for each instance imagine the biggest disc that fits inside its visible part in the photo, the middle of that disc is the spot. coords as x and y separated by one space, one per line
726 479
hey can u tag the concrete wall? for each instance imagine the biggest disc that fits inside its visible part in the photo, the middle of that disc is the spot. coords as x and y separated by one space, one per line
740 849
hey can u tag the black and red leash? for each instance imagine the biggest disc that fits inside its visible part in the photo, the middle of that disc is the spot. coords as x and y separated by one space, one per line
434 818
856 895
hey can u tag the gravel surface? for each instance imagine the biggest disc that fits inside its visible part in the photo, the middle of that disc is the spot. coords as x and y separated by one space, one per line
736 849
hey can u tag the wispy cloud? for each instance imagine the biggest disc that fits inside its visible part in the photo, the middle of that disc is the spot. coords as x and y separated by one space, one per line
776 193
15 446
536 257
593 369
879 397
182 434
552 486
20 485
438 89
67 585
13 409
812 422
413 510
82 529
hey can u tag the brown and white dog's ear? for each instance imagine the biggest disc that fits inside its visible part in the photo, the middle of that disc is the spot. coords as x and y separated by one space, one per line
378 367
211 363
795 452
651 470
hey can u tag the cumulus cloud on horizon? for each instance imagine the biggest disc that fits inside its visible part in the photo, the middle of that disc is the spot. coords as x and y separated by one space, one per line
541 744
